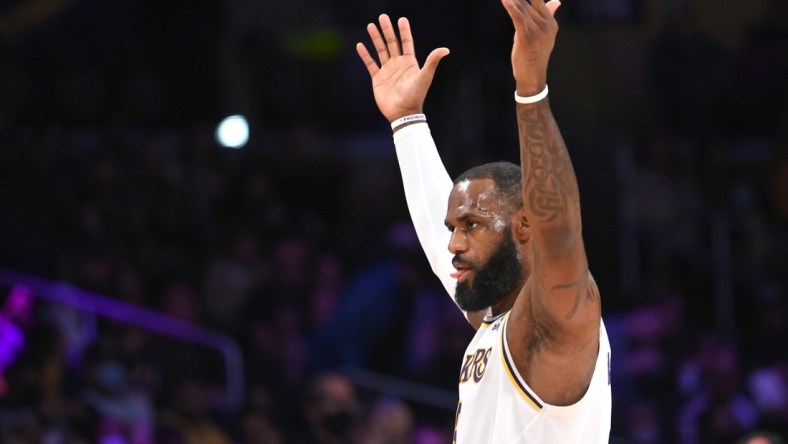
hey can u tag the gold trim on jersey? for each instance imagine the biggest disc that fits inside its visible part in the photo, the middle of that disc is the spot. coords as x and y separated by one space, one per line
511 370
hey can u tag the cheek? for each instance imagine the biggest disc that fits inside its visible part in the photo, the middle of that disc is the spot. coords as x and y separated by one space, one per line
472 260
497 223
483 255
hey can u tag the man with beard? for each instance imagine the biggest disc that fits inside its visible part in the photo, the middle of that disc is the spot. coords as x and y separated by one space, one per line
537 370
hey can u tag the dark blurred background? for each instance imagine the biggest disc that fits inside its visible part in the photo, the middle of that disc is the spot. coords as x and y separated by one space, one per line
297 250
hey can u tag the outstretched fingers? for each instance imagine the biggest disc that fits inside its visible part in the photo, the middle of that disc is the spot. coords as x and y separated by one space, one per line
540 7
406 37
544 11
518 13
392 43
431 64
552 6
367 59
531 15
378 42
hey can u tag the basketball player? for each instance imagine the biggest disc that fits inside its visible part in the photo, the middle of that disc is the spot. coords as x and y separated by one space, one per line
537 370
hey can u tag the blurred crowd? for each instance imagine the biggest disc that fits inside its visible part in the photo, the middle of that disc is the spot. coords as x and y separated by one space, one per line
308 286
299 247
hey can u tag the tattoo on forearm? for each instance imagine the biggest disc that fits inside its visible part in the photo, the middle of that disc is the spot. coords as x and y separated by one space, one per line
549 181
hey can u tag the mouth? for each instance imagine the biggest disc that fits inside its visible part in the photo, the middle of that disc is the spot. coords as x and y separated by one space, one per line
460 273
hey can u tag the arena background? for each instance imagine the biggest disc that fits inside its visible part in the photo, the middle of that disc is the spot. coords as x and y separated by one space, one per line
158 287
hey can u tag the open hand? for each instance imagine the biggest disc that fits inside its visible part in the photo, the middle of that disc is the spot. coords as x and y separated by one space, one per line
398 83
535 29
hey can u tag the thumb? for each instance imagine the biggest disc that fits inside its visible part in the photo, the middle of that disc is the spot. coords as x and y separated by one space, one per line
431 64
553 5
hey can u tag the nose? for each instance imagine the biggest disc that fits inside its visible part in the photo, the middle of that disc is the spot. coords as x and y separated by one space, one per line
458 242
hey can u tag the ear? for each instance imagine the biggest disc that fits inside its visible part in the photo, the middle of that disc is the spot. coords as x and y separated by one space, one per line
521 227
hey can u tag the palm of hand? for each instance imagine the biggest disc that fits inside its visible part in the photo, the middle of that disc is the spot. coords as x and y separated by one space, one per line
399 84
398 87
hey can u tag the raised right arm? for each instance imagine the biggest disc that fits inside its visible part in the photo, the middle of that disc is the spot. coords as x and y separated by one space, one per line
400 87
427 186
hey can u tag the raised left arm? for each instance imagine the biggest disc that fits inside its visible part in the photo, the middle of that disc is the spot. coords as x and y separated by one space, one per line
554 326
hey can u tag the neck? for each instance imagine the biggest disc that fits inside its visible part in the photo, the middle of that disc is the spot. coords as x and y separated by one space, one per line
506 303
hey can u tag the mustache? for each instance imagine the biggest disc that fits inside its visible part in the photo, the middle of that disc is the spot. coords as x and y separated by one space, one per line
457 261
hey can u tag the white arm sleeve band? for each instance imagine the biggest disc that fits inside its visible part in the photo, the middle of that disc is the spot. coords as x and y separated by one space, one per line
427 187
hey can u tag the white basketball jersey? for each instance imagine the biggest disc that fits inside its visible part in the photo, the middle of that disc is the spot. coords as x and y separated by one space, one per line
497 406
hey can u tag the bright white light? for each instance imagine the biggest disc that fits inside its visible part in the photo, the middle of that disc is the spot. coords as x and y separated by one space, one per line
233 132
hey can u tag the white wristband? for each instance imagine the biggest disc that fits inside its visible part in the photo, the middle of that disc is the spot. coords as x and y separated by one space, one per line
408 119
531 99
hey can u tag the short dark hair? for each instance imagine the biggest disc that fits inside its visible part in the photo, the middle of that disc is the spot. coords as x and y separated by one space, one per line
506 176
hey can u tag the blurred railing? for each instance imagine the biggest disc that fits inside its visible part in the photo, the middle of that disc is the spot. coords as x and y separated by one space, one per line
144 318
403 389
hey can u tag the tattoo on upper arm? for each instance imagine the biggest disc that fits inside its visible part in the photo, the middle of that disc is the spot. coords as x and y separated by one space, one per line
580 288
547 170
567 286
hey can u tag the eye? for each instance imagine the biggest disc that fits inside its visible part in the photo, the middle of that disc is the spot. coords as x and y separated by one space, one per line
472 224
450 228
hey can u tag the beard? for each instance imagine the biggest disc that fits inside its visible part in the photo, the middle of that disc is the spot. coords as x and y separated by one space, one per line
499 276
